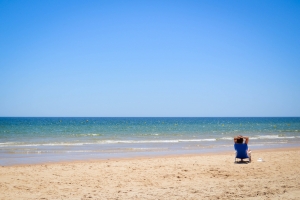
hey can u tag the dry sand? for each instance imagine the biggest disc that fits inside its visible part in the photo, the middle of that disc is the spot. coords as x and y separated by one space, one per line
178 177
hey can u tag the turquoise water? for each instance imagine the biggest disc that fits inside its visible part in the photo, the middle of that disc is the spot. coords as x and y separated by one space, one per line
28 140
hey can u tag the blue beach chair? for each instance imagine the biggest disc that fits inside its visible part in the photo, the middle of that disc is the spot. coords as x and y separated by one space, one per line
241 152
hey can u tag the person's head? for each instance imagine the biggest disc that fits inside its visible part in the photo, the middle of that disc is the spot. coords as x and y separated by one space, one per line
240 139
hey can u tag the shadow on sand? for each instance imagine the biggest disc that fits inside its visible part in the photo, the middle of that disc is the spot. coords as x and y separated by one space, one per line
242 162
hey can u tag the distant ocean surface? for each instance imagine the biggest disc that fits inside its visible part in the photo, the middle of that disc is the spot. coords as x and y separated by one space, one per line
37 140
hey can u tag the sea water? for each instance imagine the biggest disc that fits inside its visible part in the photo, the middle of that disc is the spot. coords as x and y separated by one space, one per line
39 140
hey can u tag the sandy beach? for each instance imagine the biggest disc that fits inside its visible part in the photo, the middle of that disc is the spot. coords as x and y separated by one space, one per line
209 176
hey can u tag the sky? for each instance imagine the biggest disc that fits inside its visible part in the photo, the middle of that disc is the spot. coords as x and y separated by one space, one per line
69 58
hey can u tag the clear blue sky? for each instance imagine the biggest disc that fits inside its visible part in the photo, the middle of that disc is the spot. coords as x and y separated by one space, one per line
149 58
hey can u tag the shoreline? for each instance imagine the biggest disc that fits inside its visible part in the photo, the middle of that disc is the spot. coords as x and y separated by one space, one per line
156 156
203 176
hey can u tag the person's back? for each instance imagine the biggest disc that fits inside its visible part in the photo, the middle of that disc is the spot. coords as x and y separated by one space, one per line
241 147
241 150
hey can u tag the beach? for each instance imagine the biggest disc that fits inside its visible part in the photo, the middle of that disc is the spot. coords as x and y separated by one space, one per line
202 176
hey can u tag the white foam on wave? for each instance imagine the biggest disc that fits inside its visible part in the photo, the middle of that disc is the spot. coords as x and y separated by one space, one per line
274 137
226 138
65 144
154 141
49 144
107 142
258 137
88 134
5 143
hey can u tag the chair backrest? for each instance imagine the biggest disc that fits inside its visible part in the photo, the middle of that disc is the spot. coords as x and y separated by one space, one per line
241 150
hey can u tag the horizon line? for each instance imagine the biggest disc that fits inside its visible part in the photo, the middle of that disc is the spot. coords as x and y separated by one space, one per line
146 116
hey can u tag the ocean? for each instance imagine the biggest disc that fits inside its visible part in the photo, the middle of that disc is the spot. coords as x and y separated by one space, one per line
30 140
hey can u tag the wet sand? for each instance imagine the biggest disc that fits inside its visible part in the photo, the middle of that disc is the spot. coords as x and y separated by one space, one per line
206 176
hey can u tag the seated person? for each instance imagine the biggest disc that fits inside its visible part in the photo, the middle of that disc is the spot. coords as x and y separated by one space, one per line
241 145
